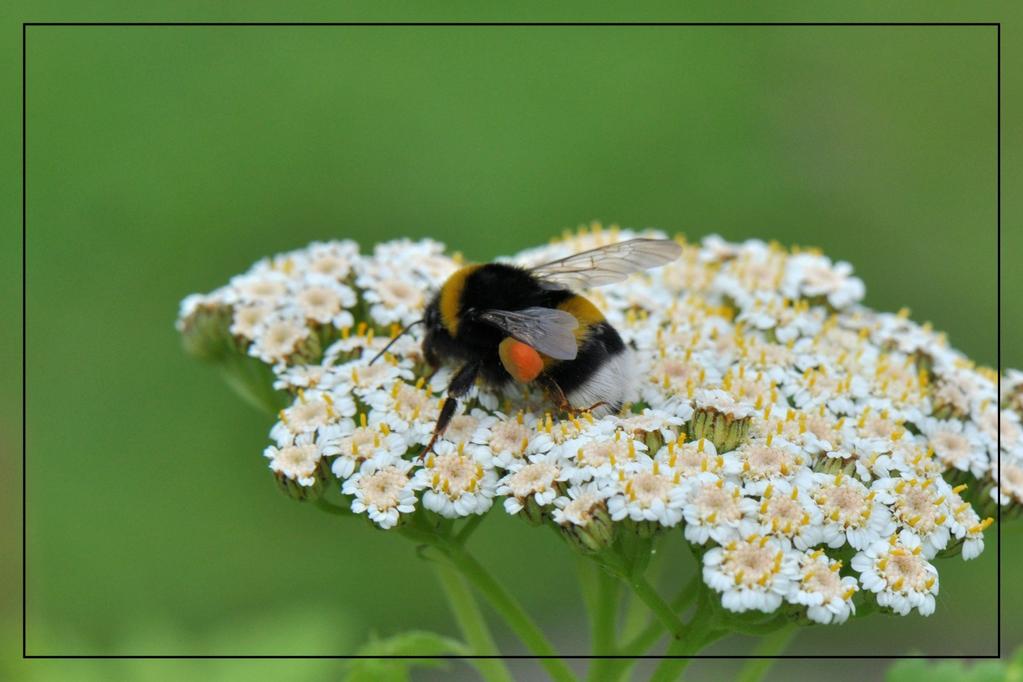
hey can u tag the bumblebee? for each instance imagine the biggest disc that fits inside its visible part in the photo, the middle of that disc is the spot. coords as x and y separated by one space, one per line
500 323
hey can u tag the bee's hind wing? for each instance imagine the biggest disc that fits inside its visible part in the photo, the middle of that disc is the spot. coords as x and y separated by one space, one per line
606 264
547 330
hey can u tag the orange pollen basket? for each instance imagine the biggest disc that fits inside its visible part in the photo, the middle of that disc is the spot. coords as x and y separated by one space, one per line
522 361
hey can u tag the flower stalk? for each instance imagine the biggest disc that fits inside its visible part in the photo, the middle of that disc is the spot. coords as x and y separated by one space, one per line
471 623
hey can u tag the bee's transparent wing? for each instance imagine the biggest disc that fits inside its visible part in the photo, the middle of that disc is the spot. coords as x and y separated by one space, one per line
606 264
548 330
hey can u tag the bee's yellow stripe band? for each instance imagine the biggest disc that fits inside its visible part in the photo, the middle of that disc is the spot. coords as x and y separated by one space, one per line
585 313
451 298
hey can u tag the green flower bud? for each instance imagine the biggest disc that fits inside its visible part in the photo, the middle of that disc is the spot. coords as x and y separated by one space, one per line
296 490
206 334
725 431
309 351
596 535
532 512
835 465
949 401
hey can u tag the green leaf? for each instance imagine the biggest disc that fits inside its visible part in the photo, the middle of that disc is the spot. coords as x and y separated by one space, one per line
919 670
413 643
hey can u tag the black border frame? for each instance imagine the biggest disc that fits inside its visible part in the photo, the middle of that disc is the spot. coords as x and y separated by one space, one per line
26 25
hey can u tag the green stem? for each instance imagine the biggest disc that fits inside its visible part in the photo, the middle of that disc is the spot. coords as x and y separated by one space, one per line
642 642
510 610
699 632
468 529
603 617
649 595
586 574
867 608
637 616
421 530
669 669
691 590
326 506
771 645
649 636
253 382
607 603
471 623
759 629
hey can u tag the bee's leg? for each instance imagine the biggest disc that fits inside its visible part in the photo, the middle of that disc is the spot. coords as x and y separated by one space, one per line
591 408
556 394
460 384
561 400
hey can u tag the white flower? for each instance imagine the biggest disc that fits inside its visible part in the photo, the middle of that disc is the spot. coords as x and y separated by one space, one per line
663 422
722 402
192 305
966 525
382 490
278 337
249 319
755 269
758 462
716 249
816 431
598 454
692 458
645 493
509 439
875 430
578 504
674 374
715 509
811 275
1009 488
321 300
817 386
297 461
535 478
822 589
753 574
850 513
406 409
897 572
313 411
393 298
921 506
910 459
788 512
949 399
956 446
365 378
472 429
1002 426
266 287
1011 390
302 376
456 482
333 259
352 445
776 414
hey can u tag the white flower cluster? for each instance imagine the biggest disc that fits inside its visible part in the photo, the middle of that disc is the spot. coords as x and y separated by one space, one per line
808 446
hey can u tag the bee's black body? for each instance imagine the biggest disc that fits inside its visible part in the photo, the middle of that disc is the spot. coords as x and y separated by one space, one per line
502 323
506 287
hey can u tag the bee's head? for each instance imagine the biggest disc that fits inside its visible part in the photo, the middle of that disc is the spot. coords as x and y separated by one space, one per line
437 336
432 315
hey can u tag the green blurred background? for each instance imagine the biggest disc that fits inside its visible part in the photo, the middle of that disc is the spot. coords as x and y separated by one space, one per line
161 161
